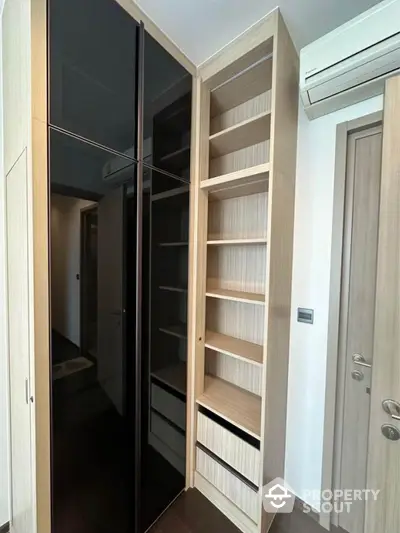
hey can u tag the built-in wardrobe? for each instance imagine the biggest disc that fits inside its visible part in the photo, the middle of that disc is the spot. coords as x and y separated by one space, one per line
150 236
119 137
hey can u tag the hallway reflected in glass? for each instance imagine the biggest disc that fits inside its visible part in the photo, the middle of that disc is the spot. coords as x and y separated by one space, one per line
91 196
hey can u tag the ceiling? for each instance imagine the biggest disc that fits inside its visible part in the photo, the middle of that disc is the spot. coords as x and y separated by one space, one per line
202 27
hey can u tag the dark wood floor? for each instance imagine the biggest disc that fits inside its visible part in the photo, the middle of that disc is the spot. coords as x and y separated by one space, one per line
193 513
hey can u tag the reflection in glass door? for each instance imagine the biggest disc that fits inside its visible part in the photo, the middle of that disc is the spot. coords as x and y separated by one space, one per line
92 357
164 347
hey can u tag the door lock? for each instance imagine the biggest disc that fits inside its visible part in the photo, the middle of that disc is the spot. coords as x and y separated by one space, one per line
390 432
392 408
359 360
357 375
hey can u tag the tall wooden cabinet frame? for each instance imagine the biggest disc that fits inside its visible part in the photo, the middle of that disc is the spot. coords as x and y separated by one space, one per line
242 211
25 149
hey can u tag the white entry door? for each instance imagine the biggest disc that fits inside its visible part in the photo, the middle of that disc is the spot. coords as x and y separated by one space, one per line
383 473
22 505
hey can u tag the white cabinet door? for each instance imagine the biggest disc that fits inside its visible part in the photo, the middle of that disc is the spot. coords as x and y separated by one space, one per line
22 514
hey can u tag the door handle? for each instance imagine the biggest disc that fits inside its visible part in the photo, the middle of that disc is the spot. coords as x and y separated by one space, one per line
359 360
392 408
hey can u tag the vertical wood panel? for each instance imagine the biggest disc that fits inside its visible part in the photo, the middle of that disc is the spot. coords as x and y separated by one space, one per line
39 224
238 218
383 454
279 256
197 267
19 321
240 373
236 319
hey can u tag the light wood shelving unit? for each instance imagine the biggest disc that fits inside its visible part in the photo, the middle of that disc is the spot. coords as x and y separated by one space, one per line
247 351
243 184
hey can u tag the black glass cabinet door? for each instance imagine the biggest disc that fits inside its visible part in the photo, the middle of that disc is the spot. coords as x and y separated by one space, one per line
93 249
164 344
93 55
167 112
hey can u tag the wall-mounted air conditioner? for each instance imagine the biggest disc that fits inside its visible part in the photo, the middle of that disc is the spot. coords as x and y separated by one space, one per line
351 63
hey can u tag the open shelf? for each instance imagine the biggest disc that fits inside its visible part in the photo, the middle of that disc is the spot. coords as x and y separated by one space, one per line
173 289
241 408
249 132
236 296
220 242
247 351
251 82
251 180
174 376
177 330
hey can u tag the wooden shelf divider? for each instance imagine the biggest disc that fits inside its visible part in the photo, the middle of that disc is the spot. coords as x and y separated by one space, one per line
240 349
251 180
241 408
236 296
248 132
221 242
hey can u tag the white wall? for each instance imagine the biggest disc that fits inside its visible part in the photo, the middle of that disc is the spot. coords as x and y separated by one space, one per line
4 502
65 265
311 278
4 513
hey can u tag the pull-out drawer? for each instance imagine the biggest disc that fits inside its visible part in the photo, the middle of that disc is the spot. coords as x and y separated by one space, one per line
233 450
169 406
230 485
172 437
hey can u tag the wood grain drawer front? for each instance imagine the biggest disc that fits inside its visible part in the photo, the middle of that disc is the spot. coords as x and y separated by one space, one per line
231 486
169 406
168 434
240 455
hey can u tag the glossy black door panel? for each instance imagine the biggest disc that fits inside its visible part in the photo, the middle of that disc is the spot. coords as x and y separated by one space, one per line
92 47
92 237
167 111
164 349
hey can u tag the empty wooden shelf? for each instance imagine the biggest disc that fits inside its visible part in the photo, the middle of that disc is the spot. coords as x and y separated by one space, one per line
239 183
221 242
248 132
238 296
174 376
236 405
251 82
247 351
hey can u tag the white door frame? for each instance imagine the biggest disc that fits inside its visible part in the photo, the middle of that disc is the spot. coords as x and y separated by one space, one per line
335 302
